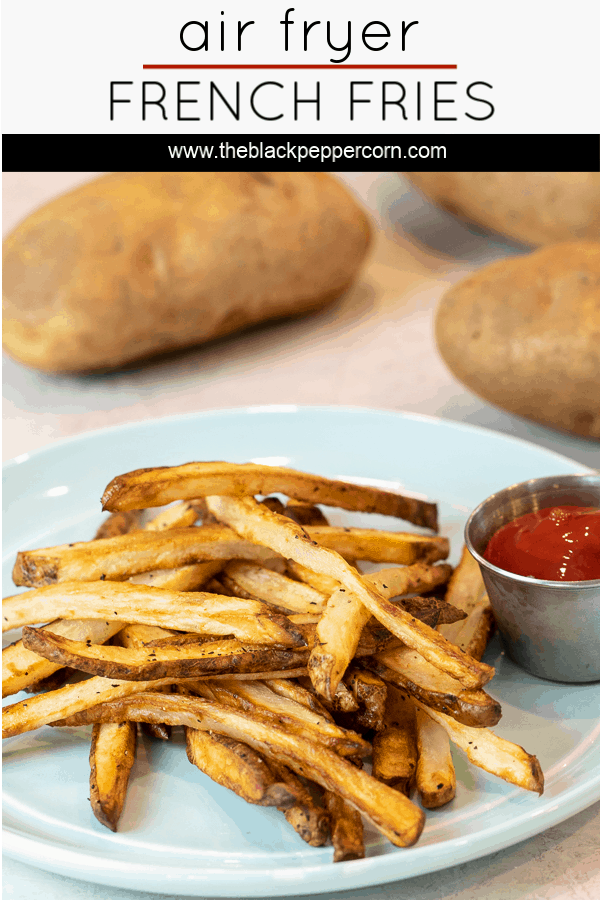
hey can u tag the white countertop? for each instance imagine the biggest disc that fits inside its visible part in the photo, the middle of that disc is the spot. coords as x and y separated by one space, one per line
374 348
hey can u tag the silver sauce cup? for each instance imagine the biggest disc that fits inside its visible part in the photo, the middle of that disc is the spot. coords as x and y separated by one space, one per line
550 628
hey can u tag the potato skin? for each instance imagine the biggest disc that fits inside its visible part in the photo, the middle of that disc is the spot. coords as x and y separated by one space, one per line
524 334
134 264
535 208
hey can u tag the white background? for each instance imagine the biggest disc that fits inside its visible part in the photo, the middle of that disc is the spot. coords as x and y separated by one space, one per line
541 58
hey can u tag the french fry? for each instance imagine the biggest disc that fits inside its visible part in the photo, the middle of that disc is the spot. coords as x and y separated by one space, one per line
303 513
258 524
43 709
248 620
436 778
120 557
369 692
346 829
52 682
184 578
306 816
238 767
321 583
22 668
112 755
179 515
271 587
285 687
119 523
395 746
145 488
408 670
257 699
153 663
345 616
388 810
492 753
375 545
466 591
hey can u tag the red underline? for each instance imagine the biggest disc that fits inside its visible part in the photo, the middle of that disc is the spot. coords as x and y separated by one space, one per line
309 66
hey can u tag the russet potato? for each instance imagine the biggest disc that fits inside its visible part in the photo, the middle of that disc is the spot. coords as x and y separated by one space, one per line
535 208
134 264
524 334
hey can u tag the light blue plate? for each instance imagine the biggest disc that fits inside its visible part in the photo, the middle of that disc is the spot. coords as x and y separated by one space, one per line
182 834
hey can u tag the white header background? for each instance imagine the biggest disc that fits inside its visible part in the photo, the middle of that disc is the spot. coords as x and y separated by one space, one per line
540 57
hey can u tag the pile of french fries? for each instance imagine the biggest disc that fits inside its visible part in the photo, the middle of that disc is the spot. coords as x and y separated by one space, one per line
249 622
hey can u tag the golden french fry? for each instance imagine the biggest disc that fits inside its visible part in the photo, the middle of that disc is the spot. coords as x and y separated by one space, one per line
388 810
119 523
346 829
120 557
436 778
246 619
179 515
466 591
258 524
184 578
321 583
375 545
345 616
305 815
303 513
406 669
285 687
296 718
395 746
238 767
43 709
152 663
492 753
22 668
271 587
144 488
112 755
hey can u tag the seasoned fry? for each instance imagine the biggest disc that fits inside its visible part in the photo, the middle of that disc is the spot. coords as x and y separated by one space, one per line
303 513
380 546
246 619
271 587
346 829
144 488
142 635
395 746
153 663
408 670
370 693
43 709
184 578
179 515
120 557
238 767
112 755
436 778
52 682
321 583
285 687
257 523
466 591
119 523
22 668
388 810
492 753
307 817
257 699
345 616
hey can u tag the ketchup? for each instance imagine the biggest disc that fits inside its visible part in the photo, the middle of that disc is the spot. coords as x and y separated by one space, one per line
561 543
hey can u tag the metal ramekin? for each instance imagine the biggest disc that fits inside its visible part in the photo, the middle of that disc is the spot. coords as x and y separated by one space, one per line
550 628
